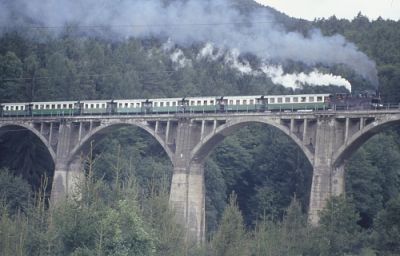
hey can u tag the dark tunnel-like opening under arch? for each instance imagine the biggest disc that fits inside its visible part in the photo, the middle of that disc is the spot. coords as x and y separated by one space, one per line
359 139
361 178
26 152
101 132
201 151
94 144
210 144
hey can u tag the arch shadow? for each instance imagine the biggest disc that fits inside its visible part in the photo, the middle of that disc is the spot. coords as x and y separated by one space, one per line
359 138
204 148
46 163
35 132
102 131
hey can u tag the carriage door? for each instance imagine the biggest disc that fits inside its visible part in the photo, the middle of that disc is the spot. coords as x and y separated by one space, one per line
111 107
221 104
147 107
28 109
261 104
78 106
183 105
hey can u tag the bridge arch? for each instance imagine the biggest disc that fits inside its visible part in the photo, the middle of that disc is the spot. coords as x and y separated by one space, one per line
69 168
206 145
359 138
35 132
202 149
100 132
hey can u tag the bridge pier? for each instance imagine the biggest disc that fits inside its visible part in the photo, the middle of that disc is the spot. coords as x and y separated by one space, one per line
68 171
66 180
327 180
187 198
59 188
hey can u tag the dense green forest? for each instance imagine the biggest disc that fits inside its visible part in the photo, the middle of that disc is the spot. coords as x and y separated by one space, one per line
257 181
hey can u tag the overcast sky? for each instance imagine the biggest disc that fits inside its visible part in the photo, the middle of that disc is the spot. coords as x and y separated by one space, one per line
348 9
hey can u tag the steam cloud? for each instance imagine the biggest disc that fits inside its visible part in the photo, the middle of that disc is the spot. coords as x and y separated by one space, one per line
192 21
180 59
275 72
297 80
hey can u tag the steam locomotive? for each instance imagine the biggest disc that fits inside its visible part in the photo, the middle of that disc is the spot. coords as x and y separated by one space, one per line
364 100
209 104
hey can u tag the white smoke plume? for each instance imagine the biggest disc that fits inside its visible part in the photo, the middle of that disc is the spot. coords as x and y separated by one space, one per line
232 59
275 72
297 80
208 51
179 58
188 22
169 45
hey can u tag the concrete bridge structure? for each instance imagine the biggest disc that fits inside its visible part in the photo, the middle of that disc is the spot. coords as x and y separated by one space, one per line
327 139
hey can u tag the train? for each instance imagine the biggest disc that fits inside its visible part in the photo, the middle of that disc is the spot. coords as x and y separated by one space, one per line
208 104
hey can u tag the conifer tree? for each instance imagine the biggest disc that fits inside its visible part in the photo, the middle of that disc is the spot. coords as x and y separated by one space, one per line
230 238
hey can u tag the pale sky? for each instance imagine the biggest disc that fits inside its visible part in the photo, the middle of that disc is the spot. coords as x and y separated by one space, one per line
348 9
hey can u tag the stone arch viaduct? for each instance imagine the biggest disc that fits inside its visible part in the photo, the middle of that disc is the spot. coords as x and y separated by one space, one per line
326 138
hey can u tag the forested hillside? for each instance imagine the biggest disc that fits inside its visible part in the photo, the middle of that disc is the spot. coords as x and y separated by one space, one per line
257 181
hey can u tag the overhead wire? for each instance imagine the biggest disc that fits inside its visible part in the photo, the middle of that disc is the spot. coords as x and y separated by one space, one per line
81 75
142 25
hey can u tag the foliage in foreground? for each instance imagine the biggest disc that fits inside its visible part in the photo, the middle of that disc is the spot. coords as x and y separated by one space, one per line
121 224
90 224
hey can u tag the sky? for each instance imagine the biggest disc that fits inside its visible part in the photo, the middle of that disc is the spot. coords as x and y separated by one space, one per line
348 9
